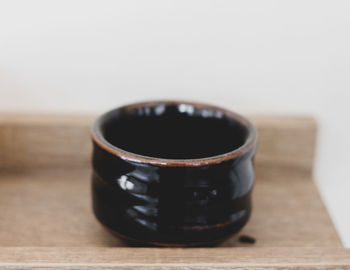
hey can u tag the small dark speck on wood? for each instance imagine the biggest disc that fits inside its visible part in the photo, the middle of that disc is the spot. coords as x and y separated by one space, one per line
246 239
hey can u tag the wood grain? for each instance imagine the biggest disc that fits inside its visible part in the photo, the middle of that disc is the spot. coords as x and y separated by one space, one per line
174 258
52 208
41 141
46 221
286 142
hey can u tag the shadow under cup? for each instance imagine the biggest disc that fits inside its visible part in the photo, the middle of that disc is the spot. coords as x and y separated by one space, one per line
172 173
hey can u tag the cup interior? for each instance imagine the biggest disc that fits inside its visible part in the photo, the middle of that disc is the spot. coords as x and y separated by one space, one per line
173 131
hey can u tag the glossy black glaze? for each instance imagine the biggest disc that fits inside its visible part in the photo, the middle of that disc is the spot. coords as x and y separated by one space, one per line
173 173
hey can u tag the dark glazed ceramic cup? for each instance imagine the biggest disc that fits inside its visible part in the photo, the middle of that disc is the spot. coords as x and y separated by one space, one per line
172 173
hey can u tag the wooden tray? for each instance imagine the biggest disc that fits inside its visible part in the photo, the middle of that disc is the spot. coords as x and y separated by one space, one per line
46 219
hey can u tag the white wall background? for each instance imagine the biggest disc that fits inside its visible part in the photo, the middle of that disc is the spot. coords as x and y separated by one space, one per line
286 57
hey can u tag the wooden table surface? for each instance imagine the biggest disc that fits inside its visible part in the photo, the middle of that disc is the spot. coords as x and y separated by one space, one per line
46 219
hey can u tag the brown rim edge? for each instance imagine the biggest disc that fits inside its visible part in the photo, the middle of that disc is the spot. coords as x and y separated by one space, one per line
250 142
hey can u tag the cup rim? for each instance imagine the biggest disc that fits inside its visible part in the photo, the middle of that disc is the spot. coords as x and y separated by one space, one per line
99 139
